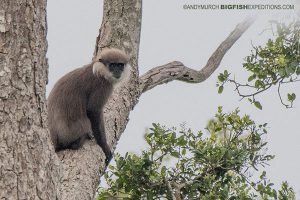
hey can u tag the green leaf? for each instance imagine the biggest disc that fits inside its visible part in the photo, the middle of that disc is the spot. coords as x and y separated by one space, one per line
258 105
298 71
175 154
289 70
183 152
291 97
182 141
281 60
221 77
226 73
251 78
282 72
259 84
163 171
220 90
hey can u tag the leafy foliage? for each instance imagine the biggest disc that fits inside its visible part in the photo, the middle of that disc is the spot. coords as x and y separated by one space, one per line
209 166
275 64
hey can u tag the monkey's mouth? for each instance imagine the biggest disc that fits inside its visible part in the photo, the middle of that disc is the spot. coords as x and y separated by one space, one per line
117 76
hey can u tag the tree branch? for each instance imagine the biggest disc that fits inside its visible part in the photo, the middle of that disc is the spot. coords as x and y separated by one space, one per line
80 173
178 71
170 189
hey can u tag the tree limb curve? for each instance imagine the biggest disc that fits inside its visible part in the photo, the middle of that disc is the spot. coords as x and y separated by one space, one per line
178 71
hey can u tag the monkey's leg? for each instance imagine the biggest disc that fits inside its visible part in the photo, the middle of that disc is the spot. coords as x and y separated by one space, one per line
99 133
77 143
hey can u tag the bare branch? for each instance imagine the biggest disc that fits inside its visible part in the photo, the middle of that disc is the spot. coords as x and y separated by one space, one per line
280 97
74 165
170 189
178 71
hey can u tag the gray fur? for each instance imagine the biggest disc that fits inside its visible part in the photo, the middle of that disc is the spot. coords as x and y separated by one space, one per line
75 104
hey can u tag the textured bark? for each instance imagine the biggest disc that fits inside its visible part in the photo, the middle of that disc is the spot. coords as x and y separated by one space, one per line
28 164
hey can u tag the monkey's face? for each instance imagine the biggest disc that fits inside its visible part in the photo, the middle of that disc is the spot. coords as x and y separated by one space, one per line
111 71
112 64
116 69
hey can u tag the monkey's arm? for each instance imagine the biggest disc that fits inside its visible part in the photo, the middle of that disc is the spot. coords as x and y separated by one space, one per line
97 121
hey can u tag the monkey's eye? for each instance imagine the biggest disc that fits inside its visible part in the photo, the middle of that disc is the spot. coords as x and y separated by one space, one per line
116 66
121 66
112 66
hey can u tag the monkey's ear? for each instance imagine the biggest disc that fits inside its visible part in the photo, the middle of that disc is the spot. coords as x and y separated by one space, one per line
102 61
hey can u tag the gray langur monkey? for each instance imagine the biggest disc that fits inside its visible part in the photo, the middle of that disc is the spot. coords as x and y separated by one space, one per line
75 104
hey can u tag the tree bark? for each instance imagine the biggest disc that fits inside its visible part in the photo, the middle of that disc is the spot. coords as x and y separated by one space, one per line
28 164
29 168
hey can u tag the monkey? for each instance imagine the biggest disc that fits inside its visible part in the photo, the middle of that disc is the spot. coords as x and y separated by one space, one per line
76 102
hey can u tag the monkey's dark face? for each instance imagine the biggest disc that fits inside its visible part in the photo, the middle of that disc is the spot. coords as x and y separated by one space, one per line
116 69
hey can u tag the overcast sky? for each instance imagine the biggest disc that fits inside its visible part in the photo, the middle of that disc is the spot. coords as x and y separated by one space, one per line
170 33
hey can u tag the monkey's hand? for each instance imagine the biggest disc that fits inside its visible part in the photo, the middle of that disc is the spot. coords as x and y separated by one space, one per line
108 157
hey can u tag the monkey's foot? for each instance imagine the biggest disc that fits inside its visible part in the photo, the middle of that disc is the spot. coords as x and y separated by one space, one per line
90 136
77 143
108 158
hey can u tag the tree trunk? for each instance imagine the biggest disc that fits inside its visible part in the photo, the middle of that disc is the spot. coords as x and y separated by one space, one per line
28 164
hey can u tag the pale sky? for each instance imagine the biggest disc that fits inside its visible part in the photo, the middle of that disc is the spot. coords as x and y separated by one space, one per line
170 33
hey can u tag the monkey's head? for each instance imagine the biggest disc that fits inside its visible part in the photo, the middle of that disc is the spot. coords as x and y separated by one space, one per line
112 64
